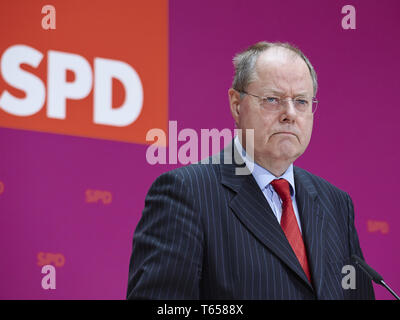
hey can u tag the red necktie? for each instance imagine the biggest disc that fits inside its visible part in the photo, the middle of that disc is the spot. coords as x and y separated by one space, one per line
289 224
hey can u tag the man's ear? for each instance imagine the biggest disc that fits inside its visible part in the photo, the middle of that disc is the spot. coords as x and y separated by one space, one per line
234 102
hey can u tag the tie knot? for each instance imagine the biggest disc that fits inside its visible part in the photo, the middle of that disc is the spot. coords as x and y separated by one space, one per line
281 187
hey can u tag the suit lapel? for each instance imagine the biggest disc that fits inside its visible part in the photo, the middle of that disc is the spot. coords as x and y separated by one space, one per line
313 222
252 209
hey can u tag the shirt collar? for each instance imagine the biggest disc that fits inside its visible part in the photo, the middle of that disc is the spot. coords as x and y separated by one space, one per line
262 176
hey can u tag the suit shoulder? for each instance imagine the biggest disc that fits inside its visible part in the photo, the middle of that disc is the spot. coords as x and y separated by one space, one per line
194 172
319 182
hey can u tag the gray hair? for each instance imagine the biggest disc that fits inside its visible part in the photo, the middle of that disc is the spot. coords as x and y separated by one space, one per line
244 63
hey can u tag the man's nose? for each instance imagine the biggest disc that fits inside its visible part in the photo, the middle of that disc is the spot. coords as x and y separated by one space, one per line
288 109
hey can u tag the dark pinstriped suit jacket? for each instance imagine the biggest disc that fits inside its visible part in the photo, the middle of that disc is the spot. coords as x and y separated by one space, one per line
207 233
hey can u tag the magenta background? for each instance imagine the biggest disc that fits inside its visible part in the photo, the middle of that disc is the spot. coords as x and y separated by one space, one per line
354 143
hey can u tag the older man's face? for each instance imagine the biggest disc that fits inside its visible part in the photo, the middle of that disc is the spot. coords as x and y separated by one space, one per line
282 135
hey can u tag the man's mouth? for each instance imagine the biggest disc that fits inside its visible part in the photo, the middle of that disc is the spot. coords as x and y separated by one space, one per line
285 132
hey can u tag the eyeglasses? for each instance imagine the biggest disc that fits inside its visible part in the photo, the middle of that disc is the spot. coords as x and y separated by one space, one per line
274 104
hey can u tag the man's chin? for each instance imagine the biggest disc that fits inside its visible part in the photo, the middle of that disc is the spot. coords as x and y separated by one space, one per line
288 156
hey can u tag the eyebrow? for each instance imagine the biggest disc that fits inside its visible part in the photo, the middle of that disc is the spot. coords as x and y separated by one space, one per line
274 91
279 92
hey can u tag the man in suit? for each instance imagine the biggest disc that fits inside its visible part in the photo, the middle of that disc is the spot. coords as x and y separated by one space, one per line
278 232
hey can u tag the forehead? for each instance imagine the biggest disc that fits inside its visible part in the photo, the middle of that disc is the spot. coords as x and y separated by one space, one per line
282 70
